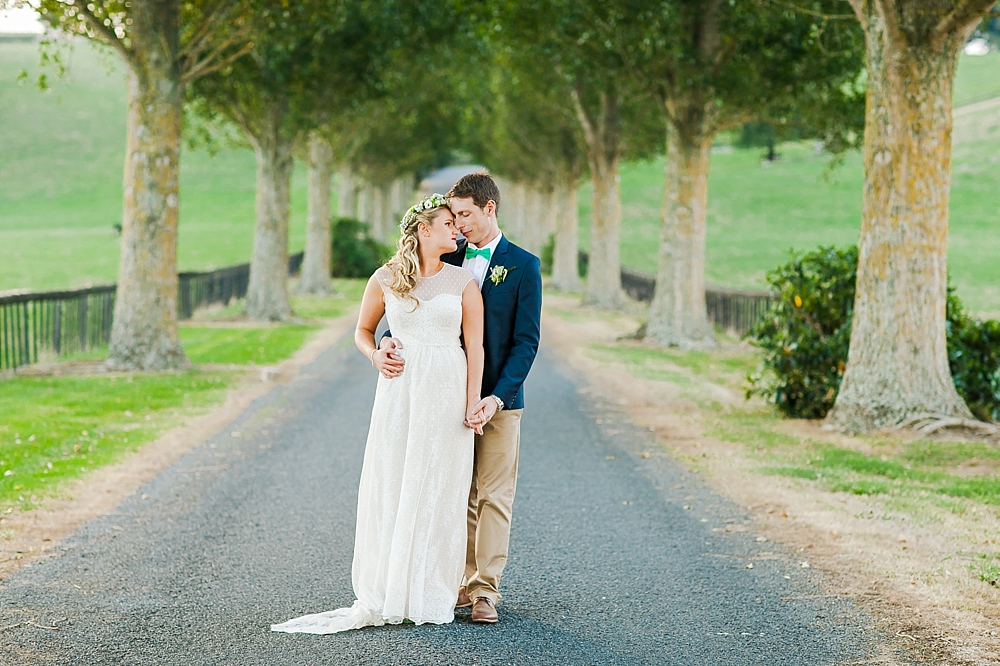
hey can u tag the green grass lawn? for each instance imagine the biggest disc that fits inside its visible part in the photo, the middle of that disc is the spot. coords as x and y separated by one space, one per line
61 156
978 78
255 345
55 429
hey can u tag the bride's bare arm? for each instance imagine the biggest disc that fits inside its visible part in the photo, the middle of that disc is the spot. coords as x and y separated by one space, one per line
372 310
472 332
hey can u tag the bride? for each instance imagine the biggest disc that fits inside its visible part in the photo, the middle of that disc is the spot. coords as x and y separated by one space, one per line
409 549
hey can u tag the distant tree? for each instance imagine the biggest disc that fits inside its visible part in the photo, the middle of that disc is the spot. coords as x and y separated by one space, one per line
527 130
713 66
897 367
314 277
165 45
306 56
556 43
411 127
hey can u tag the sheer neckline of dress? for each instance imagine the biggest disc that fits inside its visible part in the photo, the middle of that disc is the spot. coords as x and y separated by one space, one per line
450 280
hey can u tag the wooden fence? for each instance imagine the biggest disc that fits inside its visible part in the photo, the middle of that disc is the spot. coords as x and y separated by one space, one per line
48 325
735 310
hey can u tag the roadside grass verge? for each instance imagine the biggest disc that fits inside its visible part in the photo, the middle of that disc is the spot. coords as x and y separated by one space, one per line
948 474
262 345
687 368
307 307
54 429
938 472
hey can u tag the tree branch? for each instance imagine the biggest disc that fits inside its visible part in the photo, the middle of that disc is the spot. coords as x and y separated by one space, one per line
588 128
206 66
193 64
890 16
859 10
204 33
106 33
813 12
964 12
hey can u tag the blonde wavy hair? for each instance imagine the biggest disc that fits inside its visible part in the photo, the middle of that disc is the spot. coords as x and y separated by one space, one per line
404 266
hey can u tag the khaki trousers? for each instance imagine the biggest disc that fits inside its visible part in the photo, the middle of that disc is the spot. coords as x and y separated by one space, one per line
491 500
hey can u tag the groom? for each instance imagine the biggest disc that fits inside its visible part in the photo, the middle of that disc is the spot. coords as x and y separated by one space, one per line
511 282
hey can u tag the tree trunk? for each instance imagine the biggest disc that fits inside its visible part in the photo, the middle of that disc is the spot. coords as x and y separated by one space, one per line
534 211
389 228
380 198
267 295
402 195
144 329
678 316
601 132
549 221
347 193
604 280
565 258
366 201
316 263
513 210
898 362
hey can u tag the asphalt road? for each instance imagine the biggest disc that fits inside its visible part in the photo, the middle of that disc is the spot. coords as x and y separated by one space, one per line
613 561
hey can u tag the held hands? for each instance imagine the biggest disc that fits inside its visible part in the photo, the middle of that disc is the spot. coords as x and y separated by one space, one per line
480 413
385 358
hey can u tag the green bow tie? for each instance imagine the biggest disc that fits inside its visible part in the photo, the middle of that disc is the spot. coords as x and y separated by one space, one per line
472 253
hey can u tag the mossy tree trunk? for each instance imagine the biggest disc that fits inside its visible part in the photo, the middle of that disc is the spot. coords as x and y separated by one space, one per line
602 133
678 316
267 295
565 258
315 278
144 330
159 66
898 361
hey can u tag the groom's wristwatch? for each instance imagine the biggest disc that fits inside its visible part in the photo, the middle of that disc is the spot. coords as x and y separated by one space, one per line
499 403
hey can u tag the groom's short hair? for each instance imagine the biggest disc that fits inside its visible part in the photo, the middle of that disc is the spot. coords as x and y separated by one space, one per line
479 186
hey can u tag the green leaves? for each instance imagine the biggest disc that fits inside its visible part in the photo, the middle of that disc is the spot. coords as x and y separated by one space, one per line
806 334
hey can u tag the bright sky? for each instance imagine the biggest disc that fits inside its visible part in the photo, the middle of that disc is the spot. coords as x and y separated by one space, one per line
23 20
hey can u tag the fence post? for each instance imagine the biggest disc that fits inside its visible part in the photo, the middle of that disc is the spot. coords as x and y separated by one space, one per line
57 326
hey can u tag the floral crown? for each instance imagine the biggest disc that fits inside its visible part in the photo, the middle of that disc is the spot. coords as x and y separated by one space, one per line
433 201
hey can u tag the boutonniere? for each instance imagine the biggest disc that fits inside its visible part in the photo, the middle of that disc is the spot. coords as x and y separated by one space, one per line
499 273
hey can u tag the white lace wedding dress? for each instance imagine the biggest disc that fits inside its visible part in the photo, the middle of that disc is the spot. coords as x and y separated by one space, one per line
409 549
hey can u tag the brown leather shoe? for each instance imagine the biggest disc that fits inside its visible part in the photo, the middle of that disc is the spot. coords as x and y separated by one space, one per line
463 598
484 611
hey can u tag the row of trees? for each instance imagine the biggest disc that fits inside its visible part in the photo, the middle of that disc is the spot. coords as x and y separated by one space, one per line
549 93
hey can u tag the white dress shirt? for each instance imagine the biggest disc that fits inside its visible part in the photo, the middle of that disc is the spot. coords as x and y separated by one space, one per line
478 266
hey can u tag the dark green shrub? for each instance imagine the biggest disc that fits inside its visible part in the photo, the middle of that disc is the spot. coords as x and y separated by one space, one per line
974 359
355 254
548 255
806 335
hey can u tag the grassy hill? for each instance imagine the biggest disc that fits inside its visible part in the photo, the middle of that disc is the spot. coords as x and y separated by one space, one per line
61 158
61 155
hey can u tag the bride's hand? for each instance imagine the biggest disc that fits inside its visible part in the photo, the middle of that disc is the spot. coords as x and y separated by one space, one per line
474 417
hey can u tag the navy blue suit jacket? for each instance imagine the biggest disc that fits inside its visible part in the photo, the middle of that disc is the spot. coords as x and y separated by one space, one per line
512 320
